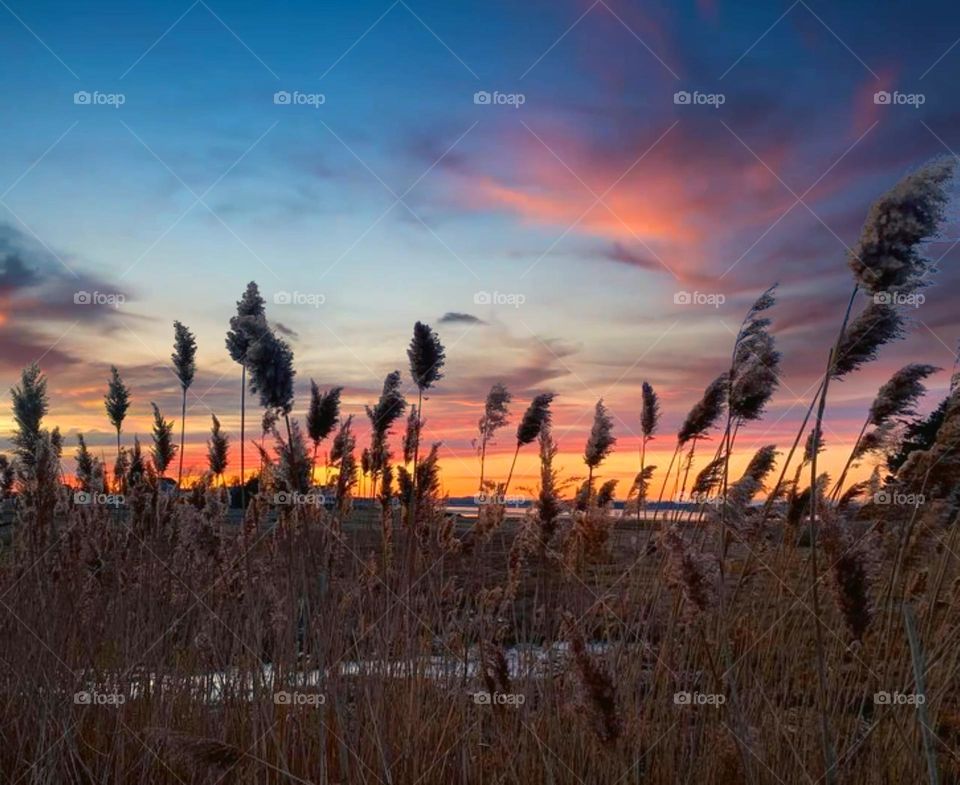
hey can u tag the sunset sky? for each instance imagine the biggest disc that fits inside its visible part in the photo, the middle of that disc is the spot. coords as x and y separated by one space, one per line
545 234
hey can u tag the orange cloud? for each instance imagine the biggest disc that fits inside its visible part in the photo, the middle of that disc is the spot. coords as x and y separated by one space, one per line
623 217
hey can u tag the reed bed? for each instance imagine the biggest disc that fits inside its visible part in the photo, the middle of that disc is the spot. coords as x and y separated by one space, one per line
781 626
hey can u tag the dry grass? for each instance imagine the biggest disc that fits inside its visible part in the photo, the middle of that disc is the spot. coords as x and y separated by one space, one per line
155 608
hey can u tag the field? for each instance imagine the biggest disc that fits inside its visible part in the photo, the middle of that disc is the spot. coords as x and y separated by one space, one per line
296 654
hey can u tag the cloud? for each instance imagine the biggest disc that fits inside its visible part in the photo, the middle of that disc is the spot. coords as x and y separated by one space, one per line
16 274
281 328
454 317
36 283
44 298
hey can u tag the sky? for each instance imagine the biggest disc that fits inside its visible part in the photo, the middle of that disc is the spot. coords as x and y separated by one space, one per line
578 196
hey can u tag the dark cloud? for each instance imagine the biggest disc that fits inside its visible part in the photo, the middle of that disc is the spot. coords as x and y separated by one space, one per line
37 283
618 252
454 317
15 274
44 297
281 328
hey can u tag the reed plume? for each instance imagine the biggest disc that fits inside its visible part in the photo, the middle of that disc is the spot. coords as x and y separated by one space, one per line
163 450
701 418
427 487
549 506
707 480
736 502
137 469
649 410
853 565
600 689
755 377
705 413
640 487
90 473
534 419
246 326
495 413
694 573
116 402
411 436
600 442
888 256
322 416
897 397
342 456
184 360
877 325
649 420
270 363
388 409
293 462
427 357
606 493
30 406
218 448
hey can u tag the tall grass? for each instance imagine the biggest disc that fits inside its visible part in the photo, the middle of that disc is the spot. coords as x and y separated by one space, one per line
807 637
